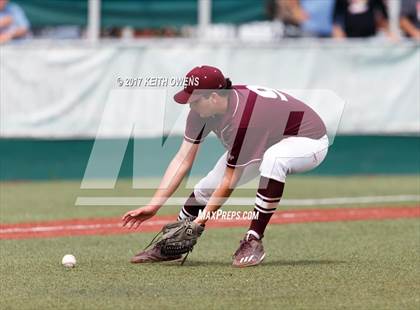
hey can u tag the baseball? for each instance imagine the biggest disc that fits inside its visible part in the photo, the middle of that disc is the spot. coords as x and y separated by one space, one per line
69 261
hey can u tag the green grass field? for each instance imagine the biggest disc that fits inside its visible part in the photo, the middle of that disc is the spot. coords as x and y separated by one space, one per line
340 265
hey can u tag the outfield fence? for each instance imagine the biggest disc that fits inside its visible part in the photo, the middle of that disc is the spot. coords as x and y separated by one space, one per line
60 90
53 96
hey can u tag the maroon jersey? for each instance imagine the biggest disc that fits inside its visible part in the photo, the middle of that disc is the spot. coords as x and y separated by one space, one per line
256 119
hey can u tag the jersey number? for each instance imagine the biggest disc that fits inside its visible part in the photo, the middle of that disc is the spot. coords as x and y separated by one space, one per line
267 92
295 117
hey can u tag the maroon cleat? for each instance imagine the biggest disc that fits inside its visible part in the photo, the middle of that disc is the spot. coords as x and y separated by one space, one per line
250 252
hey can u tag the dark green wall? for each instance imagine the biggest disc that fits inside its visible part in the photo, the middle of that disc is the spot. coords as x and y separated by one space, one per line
67 159
140 13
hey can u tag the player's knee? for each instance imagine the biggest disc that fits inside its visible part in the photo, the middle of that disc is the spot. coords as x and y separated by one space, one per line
274 167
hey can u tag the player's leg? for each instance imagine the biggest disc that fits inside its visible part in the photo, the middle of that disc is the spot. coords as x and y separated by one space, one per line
251 251
292 155
207 185
202 190
289 156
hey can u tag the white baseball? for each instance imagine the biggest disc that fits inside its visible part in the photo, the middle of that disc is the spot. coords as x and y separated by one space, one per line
69 261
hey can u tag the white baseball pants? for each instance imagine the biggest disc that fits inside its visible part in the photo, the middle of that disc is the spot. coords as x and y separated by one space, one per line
289 156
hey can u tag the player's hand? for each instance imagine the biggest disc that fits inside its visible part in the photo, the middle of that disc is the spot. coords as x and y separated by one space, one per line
132 219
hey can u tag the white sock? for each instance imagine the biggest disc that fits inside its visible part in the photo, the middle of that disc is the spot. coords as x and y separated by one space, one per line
183 214
254 233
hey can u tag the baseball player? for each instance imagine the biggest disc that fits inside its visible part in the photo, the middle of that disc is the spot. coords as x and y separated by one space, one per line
266 133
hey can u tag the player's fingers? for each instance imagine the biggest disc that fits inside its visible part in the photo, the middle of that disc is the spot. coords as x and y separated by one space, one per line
131 214
126 219
134 222
137 224
126 216
128 222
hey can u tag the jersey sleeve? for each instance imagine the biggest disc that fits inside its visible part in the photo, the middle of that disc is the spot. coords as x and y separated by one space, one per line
196 129
248 147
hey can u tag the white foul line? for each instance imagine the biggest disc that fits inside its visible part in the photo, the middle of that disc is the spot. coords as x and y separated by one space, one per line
235 201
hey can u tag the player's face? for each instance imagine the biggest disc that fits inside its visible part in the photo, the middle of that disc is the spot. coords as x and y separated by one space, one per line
203 106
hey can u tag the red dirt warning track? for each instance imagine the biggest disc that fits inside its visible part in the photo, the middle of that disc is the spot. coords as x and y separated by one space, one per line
108 226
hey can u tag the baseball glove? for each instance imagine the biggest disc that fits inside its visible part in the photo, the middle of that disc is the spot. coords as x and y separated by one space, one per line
178 238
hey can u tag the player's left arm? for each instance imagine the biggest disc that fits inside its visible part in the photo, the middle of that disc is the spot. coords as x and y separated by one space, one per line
222 192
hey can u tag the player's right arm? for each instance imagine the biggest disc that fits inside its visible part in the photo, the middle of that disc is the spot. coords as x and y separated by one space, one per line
175 173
